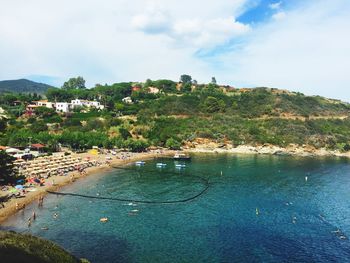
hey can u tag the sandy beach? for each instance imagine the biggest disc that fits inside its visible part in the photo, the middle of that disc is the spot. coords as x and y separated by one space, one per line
60 181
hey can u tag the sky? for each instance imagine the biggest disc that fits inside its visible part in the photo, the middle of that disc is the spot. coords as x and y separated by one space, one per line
299 45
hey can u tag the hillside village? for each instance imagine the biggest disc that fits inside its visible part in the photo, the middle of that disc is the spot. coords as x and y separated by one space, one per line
165 113
63 107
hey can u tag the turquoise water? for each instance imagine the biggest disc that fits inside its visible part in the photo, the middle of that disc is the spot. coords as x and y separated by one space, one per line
256 209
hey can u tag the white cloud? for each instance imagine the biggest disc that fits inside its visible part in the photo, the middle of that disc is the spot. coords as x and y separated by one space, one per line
279 15
198 31
307 51
207 34
153 21
275 6
65 38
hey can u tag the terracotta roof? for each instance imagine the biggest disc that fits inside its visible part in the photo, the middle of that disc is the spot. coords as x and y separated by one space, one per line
2 148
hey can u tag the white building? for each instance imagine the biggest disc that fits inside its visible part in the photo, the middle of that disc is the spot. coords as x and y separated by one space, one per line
63 106
153 90
87 103
45 103
127 100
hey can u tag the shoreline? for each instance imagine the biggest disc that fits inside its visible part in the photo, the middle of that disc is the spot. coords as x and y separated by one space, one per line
299 151
61 181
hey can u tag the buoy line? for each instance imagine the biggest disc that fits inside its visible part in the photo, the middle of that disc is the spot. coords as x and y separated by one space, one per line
203 180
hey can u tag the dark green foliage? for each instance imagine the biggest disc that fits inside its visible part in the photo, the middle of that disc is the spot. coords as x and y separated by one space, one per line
164 85
74 83
173 144
3 124
186 79
38 126
44 112
7 171
136 145
17 248
124 133
212 104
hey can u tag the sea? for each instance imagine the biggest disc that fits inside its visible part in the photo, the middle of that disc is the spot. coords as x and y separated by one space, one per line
214 208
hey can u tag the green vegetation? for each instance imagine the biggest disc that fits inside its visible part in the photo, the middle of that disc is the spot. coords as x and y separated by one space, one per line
178 113
17 248
7 171
23 86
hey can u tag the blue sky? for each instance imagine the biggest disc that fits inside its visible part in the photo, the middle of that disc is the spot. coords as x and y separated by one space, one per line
289 44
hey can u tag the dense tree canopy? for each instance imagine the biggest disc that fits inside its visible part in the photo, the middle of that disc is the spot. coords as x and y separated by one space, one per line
186 79
7 171
74 83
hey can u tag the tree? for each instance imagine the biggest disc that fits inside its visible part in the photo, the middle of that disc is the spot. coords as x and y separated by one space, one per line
186 79
3 124
213 80
45 112
186 88
212 104
124 133
7 171
136 145
173 144
74 83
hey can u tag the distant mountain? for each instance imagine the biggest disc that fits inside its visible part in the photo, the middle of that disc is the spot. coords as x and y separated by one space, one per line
23 86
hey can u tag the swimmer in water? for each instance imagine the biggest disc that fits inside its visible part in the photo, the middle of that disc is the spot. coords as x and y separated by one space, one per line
55 215
34 215
29 222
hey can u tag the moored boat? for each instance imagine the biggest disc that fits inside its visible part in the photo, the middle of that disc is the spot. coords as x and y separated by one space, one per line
182 156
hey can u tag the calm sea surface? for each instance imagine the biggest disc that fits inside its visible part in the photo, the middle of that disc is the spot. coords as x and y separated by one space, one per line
256 209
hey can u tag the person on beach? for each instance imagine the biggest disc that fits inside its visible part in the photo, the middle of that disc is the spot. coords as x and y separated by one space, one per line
29 222
17 206
34 215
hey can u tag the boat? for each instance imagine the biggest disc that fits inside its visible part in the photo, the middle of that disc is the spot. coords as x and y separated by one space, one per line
180 165
161 164
104 219
182 156
140 163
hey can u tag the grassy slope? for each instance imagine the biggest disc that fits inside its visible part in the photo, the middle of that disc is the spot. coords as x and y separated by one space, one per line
19 248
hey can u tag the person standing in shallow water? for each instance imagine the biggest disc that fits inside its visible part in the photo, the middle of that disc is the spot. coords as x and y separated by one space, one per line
40 201
34 215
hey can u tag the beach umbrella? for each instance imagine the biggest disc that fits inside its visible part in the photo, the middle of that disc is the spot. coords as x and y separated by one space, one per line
19 186
20 181
37 180
13 190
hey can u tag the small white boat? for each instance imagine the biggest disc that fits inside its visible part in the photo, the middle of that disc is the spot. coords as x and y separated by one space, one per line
180 165
161 164
140 163
181 156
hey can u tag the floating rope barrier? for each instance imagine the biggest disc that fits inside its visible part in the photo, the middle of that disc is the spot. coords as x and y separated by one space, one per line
203 180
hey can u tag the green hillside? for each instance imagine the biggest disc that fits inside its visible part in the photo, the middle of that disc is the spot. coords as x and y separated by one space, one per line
179 114
17 248
23 86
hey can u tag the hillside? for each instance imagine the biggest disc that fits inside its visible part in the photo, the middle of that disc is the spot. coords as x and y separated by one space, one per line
23 86
26 248
180 116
